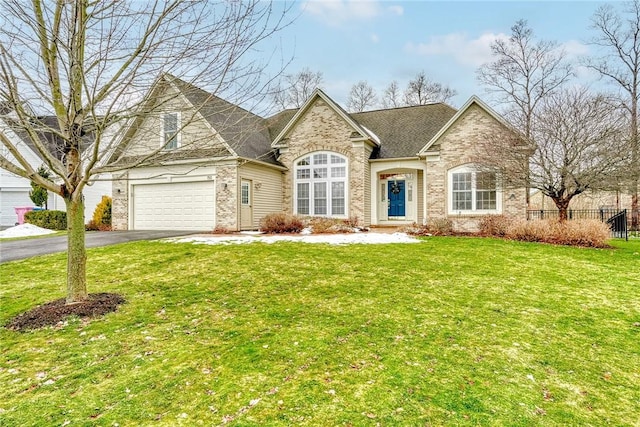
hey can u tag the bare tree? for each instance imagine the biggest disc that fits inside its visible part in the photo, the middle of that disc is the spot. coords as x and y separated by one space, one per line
575 145
296 88
618 36
421 90
392 98
88 65
523 73
361 97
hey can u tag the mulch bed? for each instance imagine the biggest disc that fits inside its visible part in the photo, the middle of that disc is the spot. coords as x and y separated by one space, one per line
51 313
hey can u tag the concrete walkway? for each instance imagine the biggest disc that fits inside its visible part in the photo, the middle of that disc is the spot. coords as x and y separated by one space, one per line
21 249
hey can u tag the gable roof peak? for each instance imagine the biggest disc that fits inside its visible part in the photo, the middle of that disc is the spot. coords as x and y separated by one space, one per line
474 99
319 93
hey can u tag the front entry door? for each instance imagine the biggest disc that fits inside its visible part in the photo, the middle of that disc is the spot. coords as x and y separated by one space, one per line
395 190
246 205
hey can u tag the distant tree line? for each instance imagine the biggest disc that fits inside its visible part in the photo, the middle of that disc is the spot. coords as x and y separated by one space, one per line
572 138
294 89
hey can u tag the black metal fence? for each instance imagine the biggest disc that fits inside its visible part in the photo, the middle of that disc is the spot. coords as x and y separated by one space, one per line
619 226
618 220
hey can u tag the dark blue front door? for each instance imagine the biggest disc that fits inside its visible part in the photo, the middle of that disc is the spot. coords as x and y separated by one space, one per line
395 190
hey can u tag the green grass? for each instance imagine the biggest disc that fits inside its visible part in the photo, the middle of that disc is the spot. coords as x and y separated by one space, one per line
452 331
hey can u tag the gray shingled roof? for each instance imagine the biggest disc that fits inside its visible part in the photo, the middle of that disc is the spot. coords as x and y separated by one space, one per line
46 126
404 131
278 121
246 133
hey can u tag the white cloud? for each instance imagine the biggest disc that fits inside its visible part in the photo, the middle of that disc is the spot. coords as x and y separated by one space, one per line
396 10
465 51
475 52
339 12
375 38
574 48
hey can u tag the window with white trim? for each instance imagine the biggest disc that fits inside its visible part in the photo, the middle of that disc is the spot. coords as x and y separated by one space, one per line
320 185
170 124
245 193
473 191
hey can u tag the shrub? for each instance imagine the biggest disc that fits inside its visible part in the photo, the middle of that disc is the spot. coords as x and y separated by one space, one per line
494 225
281 222
435 227
416 229
101 219
39 195
320 225
221 230
52 220
440 227
586 232
352 221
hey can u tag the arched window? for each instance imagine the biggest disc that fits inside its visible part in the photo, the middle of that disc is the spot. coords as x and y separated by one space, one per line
320 185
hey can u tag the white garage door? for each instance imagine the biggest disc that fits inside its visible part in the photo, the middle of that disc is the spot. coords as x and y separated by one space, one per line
174 206
9 200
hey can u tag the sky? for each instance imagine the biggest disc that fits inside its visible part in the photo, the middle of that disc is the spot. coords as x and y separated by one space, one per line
380 41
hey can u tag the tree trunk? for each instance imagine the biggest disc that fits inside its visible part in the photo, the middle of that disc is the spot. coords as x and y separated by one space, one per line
635 143
563 207
635 214
76 251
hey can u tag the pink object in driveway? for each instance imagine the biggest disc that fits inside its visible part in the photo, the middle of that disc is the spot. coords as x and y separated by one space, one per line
21 211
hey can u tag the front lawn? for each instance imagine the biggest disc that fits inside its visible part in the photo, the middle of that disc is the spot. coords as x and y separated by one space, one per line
455 331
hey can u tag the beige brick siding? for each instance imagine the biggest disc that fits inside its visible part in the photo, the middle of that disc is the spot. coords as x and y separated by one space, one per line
456 149
322 129
227 198
368 203
420 198
120 202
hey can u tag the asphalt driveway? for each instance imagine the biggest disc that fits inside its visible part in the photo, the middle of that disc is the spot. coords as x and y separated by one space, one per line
21 249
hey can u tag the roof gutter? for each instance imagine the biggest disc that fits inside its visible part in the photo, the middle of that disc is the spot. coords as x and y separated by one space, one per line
262 163
394 159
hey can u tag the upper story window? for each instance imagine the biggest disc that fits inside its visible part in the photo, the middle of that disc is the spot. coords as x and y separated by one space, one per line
320 185
170 134
473 191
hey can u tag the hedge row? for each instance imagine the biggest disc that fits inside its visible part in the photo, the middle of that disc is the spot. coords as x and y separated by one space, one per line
52 220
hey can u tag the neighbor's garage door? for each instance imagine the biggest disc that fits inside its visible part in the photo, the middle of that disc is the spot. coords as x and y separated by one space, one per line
175 206
8 201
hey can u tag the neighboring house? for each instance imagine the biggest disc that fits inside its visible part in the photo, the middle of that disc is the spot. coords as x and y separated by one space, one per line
589 200
385 167
14 190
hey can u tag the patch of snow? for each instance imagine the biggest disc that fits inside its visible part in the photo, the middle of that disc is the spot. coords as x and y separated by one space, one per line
24 230
332 239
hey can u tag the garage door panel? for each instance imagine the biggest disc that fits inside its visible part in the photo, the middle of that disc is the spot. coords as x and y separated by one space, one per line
174 206
8 201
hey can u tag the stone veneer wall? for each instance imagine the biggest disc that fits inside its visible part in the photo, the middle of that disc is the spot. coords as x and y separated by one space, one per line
322 129
227 199
120 202
456 149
